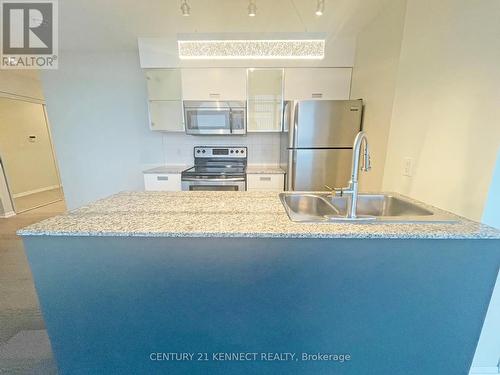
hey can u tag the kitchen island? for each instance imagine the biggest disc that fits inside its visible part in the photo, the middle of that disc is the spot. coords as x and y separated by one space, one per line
224 282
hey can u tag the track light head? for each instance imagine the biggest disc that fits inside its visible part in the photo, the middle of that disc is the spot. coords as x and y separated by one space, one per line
252 8
320 7
185 8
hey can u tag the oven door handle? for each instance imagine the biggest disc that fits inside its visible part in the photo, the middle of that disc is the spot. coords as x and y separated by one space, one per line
235 179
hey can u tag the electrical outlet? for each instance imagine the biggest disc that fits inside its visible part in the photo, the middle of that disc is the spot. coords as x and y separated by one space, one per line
408 167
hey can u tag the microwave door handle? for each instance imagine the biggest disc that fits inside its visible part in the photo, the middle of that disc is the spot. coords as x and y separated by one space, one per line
230 121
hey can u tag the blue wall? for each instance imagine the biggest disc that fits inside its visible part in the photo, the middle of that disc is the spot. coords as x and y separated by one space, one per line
491 214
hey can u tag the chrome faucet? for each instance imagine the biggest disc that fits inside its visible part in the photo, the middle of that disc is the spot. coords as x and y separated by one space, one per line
353 187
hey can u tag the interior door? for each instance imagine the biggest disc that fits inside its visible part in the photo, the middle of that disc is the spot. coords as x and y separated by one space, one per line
312 170
27 156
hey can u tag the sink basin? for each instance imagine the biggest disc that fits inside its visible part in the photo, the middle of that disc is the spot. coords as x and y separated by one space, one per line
308 207
325 207
380 205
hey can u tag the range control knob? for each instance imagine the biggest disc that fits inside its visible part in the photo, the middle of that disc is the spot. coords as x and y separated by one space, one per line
203 151
237 151
232 151
197 151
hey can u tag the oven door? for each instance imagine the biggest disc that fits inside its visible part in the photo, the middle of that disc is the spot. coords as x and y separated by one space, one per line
213 184
207 120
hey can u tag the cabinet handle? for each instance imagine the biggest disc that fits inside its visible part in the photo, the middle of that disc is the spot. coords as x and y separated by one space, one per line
316 95
265 178
214 95
162 178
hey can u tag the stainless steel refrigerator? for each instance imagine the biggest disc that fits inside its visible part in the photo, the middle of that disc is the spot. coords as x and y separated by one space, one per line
316 148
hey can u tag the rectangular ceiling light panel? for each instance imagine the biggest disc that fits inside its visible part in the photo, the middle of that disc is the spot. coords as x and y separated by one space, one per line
251 49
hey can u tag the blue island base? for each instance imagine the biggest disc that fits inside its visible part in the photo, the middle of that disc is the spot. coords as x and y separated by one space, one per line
263 306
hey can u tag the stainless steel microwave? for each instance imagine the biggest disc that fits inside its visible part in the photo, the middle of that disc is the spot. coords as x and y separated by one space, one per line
215 117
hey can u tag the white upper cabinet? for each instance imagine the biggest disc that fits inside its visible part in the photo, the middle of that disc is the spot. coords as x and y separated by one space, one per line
264 100
214 84
164 84
165 99
317 83
166 115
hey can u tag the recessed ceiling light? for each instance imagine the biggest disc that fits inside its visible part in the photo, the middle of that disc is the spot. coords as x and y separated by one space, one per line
252 8
298 49
320 7
185 8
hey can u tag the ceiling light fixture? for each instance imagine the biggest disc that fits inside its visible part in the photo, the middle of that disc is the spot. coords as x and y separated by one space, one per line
185 8
289 49
320 8
252 8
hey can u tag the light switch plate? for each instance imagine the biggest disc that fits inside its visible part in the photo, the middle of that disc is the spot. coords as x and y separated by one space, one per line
408 167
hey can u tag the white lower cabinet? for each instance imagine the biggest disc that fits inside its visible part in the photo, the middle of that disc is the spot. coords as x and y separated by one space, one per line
162 181
265 182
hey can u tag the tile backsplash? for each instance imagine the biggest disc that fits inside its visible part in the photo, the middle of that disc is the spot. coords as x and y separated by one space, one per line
263 148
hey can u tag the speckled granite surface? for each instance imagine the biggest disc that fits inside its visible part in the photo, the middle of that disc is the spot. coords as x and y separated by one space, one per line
264 169
226 214
167 169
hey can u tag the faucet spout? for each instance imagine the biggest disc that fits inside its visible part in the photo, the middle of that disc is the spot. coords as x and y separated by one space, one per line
353 188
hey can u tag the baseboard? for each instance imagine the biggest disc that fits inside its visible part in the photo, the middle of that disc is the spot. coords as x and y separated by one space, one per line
25 193
484 370
7 214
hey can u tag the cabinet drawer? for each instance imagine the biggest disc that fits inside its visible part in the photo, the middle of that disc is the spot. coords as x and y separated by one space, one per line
162 182
273 182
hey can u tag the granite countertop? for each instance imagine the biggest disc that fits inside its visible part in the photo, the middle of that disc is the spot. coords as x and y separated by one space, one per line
226 214
167 169
264 169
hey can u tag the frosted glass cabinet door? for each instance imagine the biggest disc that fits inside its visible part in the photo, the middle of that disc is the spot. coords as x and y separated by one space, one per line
264 100
164 84
166 116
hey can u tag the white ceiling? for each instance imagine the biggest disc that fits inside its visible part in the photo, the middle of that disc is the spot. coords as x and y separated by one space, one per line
93 25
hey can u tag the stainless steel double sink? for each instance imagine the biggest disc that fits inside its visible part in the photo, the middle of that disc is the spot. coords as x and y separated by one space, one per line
382 208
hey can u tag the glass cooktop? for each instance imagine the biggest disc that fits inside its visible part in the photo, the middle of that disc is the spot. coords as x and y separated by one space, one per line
215 171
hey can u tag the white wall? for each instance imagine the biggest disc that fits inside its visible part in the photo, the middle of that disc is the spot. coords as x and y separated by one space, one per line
21 83
263 148
374 80
97 109
446 109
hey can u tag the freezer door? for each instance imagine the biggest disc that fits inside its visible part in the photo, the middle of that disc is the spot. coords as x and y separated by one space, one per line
311 170
324 123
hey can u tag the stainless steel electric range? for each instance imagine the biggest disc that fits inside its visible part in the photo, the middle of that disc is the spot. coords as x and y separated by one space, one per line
216 168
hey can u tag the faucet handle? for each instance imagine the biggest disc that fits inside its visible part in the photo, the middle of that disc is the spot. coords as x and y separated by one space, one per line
337 191
328 187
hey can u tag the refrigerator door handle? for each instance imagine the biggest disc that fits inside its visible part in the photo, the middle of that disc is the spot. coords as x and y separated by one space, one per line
292 161
294 127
